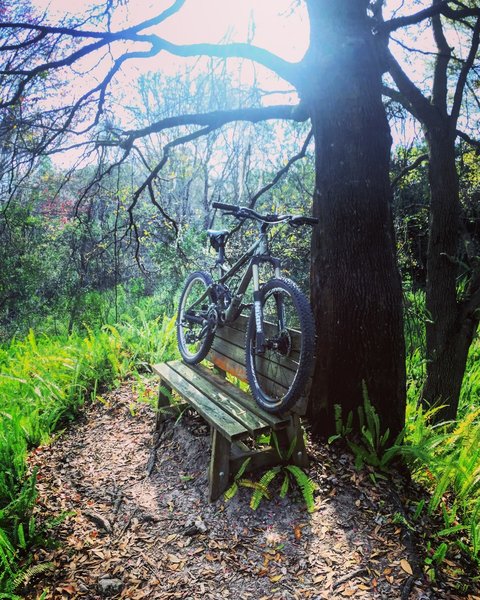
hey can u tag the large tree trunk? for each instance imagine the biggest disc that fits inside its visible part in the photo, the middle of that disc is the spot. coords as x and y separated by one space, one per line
449 329
356 287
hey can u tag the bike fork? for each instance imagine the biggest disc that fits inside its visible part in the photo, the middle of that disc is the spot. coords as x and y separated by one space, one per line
257 308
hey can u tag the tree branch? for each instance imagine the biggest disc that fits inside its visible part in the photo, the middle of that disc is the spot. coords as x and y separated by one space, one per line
285 69
462 79
283 170
439 91
397 97
474 143
420 107
440 8
418 161
218 118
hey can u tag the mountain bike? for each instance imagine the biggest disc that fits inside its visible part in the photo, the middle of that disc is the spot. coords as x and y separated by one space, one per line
281 326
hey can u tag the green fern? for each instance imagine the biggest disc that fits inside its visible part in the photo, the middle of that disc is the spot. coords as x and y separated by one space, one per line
285 486
23 576
237 481
306 485
262 490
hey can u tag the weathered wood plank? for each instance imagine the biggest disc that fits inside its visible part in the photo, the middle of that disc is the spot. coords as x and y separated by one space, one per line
249 420
241 397
270 362
229 427
231 366
164 408
259 459
219 470
228 365
237 337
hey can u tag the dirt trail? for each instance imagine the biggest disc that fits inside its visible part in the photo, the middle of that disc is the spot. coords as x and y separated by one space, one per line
135 536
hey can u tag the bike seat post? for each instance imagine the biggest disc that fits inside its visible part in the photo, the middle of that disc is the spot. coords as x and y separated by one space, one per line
221 255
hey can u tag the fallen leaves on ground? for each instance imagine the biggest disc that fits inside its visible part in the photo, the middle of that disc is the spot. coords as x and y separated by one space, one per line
127 535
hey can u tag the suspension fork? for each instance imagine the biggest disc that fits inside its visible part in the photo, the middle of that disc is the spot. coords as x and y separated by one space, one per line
258 310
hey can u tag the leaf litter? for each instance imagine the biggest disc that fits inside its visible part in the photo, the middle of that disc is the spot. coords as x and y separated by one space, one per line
130 534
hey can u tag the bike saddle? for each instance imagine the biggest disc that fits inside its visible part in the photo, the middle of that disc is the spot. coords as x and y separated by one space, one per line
217 237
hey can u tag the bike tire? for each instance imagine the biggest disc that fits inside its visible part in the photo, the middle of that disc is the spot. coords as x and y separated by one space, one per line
195 285
294 353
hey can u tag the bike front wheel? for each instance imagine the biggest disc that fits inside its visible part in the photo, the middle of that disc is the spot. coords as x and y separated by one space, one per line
195 332
280 365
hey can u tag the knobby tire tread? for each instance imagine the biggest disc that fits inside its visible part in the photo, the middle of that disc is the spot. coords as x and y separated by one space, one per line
307 347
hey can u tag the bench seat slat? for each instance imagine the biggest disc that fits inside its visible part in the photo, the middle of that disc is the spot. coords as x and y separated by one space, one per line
229 427
226 402
242 397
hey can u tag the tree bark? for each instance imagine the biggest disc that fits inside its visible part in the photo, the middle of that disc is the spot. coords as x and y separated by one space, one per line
356 287
449 330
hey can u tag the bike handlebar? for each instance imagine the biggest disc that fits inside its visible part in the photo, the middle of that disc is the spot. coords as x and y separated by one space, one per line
243 212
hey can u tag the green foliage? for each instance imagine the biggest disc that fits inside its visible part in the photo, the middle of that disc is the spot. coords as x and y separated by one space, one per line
44 381
444 457
290 473
371 445
237 480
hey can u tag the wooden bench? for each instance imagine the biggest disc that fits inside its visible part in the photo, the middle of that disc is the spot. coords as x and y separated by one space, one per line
232 414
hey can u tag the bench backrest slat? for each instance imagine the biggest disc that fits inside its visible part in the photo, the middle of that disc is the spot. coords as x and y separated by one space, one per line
228 354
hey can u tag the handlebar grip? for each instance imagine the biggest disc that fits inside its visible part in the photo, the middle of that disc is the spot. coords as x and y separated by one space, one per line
223 206
311 220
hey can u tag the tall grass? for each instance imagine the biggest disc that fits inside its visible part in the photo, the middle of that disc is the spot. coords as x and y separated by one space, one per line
445 458
44 381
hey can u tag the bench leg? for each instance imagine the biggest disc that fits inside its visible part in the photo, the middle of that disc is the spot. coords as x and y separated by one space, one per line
219 471
163 404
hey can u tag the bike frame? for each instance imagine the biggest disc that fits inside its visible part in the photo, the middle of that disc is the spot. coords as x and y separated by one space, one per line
257 254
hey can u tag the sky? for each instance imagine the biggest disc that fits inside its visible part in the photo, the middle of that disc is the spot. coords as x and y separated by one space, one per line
280 26
271 24
277 27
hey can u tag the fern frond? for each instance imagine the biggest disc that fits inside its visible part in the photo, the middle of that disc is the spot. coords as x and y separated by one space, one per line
243 467
262 491
285 485
26 574
306 485
230 493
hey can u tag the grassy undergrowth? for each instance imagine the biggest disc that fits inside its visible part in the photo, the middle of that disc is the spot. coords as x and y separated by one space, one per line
445 458
44 381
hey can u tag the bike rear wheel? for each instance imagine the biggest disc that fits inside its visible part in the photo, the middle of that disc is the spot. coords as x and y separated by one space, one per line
278 372
194 330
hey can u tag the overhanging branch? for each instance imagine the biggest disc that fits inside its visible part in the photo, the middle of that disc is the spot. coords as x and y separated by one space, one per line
217 119
440 8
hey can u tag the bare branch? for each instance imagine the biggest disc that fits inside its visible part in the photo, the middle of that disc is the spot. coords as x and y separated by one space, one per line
166 152
83 33
439 92
285 69
462 79
419 106
218 118
464 136
440 8
283 170
397 97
